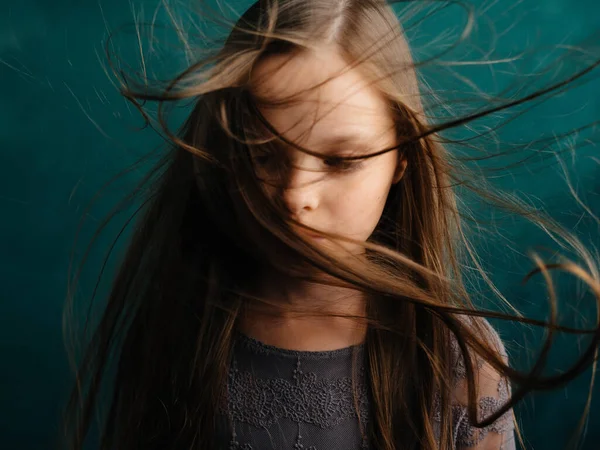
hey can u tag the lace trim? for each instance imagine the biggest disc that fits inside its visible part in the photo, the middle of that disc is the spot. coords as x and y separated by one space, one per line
305 399
467 435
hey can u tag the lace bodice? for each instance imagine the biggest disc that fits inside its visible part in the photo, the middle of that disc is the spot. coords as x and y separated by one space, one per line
285 399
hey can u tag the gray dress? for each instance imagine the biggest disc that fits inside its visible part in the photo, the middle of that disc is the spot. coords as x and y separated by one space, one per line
293 400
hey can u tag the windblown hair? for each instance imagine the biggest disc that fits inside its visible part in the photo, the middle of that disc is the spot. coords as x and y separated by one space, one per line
206 230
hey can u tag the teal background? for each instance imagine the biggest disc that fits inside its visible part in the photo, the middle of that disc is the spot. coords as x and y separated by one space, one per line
65 131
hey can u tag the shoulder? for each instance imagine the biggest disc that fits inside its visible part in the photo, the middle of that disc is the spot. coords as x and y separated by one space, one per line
492 391
481 327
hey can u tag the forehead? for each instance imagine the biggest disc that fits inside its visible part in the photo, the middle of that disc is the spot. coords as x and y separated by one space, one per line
345 103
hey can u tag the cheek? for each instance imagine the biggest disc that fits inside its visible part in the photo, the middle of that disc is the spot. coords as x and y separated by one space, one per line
359 207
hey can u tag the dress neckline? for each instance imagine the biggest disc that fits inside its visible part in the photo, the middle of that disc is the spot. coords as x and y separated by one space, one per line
259 347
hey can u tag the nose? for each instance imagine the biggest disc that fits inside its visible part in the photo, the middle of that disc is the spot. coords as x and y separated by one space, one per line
301 192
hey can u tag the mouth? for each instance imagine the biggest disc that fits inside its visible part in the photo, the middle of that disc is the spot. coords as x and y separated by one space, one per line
310 235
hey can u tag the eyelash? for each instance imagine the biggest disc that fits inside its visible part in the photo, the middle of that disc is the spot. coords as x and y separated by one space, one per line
337 163
262 160
342 165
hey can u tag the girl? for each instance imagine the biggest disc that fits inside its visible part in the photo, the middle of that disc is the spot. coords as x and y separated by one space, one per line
295 280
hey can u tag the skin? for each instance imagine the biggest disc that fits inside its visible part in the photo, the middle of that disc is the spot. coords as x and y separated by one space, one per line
346 199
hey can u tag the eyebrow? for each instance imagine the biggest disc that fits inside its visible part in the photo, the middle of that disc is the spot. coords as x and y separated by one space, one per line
358 143
353 138
345 139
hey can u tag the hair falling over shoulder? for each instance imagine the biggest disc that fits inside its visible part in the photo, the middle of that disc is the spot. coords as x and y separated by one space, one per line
204 230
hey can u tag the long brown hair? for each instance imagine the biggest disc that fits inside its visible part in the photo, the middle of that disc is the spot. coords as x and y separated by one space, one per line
205 230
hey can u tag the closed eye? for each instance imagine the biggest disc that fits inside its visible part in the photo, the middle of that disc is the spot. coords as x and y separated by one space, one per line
262 157
262 160
342 164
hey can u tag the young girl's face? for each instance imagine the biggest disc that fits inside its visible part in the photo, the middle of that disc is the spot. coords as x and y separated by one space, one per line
344 116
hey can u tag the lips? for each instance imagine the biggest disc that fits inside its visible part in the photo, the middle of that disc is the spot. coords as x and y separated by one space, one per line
314 236
308 234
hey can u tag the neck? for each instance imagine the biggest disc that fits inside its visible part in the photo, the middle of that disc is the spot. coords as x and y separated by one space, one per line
295 317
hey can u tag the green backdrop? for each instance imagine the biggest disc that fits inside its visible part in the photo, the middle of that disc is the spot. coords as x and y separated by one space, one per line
65 131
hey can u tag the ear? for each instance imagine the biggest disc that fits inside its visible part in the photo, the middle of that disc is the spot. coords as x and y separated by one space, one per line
400 168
